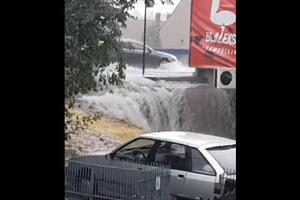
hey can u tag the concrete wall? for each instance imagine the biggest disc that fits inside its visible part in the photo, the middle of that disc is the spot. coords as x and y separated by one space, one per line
210 110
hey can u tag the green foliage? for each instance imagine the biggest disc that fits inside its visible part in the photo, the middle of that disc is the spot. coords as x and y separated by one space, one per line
92 42
74 123
92 33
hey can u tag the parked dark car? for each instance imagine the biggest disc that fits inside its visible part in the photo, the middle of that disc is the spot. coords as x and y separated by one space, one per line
133 51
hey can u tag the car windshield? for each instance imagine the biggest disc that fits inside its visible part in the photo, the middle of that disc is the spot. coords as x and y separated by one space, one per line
137 46
125 45
135 149
225 156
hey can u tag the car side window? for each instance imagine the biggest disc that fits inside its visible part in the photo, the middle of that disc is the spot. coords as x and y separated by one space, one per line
172 154
200 164
137 150
137 46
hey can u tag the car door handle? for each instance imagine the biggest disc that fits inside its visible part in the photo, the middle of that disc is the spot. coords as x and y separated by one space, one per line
180 176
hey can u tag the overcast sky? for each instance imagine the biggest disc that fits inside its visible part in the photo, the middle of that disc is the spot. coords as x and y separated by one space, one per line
158 7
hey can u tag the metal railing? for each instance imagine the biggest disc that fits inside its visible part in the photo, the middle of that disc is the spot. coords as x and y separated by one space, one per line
229 181
116 180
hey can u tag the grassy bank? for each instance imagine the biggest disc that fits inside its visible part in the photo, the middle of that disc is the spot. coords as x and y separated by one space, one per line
119 129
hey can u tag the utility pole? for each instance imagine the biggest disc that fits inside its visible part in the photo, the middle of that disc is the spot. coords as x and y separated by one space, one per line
145 16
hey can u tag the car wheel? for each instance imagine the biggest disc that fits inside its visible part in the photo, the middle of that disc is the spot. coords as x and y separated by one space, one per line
163 61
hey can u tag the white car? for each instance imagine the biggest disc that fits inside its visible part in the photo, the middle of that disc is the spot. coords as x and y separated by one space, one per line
202 166
199 162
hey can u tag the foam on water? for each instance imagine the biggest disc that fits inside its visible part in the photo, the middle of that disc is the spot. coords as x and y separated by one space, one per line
152 105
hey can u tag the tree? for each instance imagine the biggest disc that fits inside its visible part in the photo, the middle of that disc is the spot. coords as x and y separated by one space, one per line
92 33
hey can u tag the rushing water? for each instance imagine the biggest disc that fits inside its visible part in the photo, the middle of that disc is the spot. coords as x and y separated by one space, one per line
163 105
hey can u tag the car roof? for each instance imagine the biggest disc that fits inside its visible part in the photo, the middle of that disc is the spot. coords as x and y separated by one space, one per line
134 41
190 138
129 40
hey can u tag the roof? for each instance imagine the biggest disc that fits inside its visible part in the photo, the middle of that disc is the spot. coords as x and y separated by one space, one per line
179 5
135 28
190 138
175 32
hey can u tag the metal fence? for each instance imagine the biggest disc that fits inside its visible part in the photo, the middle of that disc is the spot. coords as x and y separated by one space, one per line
229 181
116 180
231 196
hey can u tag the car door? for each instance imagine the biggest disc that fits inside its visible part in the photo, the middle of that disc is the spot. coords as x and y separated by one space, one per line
152 60
136 54
200 179
128 51
174 155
